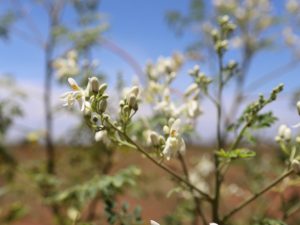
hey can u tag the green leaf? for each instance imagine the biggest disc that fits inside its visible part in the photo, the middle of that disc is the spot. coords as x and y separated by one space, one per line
264 120
108 186
236 154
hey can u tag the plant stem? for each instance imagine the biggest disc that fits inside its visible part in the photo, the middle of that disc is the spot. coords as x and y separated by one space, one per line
195 198
256 195
173 174
48 111
239 137
218 178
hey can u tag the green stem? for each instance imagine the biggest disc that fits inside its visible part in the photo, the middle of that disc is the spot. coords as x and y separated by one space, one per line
239 137
218 178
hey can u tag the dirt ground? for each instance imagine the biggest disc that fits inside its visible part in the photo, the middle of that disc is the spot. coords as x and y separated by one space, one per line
153 185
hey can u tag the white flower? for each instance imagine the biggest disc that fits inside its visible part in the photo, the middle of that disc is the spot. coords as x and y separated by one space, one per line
298 107
77 94
292 6
213 224
175 142
67 66
296 166
193 108
191 89
152 222
154 137
103 137
199 182
205 166
284 132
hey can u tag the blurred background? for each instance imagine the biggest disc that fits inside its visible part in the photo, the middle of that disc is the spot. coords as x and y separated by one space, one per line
43 42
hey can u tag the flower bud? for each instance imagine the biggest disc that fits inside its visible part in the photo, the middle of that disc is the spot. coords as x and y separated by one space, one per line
232 64
224 19
296 166
95 118
102 88
122 103
277 139
94 84
99 135
166 129
102 105
134 90
171 121
281 130
193 87
162 140
73 214
154 138
132 101
298 107
126 111
215 35
152 222
287 134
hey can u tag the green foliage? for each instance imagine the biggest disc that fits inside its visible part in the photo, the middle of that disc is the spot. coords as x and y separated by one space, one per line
179 22
86 38
107 186
236 154
15 212
267 221
122 216
6 21
252 116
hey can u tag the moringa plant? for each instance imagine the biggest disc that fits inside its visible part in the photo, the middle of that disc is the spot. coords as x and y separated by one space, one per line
175 118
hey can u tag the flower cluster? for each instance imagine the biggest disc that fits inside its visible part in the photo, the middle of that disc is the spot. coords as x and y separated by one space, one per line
290 33
67 66
290 147
252 16
172 143
165 66
92 101
284 133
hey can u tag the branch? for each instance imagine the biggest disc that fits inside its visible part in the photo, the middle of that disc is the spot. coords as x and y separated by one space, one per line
257 195
176 176
196 200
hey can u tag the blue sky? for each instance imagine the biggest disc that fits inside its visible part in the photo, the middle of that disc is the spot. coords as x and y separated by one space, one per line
140 28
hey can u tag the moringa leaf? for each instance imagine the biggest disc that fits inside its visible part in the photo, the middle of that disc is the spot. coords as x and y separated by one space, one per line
240 153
